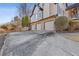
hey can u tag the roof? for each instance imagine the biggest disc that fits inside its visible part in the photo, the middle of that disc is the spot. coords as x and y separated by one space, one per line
76 5
36 5
33 10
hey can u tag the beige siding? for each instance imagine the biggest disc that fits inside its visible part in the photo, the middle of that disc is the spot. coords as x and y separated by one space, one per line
46 10
42 26
34 27
62 9
38 26
49 25
49 9
63 6
52 9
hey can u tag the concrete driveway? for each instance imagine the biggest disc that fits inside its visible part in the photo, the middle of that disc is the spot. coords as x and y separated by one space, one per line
39 44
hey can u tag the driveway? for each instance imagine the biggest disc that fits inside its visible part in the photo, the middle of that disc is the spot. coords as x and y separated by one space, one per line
39 43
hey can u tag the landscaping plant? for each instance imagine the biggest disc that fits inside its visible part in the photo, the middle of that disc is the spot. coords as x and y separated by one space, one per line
61 23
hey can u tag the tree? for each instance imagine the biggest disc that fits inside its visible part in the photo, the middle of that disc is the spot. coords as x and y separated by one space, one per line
17 23
4 27
26 21
23 9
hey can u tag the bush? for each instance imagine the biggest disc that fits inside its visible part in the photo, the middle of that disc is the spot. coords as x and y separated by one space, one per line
61 23
4 27
25 21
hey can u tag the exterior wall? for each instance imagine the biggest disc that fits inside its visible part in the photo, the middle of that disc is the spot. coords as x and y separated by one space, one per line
60 9
49 9
34 27
49 25
37 15
39 26
42 5
45 24
46 10
52 9
64 9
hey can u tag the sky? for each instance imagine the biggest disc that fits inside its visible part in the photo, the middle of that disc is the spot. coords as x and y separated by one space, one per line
8 11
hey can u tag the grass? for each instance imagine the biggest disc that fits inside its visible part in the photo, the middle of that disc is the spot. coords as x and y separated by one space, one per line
72 37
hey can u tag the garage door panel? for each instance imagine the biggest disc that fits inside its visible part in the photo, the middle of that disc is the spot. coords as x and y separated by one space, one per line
49 25
33 27
38 26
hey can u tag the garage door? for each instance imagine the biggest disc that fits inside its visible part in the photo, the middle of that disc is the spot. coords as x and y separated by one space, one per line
49 25
33 27
38 26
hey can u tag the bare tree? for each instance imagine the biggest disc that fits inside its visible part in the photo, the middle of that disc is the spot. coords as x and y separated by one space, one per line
23 10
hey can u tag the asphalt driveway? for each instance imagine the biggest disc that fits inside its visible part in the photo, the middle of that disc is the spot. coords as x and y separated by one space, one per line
31 43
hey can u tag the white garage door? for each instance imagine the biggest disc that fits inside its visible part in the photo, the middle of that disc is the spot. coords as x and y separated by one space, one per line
49 25
38 26
33 27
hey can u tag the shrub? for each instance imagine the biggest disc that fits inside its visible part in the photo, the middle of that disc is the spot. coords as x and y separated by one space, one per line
25 21
4 27
61 23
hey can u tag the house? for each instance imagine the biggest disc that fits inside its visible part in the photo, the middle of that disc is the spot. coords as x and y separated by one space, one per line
44 14
73 10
